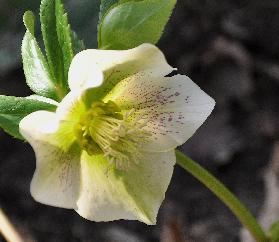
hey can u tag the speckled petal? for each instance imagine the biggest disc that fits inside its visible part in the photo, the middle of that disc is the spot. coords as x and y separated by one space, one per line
56 179
135 194
175 107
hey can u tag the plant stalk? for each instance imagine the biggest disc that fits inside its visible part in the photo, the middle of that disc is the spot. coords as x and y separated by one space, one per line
239 210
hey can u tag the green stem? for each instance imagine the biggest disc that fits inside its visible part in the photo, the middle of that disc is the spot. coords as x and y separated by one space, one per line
239 210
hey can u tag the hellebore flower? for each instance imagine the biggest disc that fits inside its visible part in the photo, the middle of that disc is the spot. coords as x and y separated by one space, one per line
108 150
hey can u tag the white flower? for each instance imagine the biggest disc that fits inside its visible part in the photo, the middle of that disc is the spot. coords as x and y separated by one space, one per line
108 151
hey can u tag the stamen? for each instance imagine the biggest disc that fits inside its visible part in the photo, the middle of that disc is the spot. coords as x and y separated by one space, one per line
119 137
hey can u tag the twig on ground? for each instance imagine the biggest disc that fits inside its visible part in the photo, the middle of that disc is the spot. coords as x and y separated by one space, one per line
7 230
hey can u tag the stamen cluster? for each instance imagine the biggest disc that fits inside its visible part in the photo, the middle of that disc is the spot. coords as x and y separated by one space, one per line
104 128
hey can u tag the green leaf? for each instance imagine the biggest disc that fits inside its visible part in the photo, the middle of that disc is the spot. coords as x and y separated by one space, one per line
61 44
52 46
274 232
107 4
14 109
9 123
35 66
78 45
131 23
22 105
64 34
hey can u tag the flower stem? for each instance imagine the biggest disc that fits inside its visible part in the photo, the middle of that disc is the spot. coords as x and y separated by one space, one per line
239 210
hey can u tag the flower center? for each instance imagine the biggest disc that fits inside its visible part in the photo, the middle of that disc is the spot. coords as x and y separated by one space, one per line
104 129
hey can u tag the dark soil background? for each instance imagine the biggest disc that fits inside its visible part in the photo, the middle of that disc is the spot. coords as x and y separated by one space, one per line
231 49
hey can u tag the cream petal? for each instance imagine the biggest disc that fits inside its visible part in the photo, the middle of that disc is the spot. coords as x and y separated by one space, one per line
135 194
72 106
56 179
84 73
116 65
175 107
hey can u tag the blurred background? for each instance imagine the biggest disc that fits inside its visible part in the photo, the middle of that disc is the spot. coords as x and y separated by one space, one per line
231 49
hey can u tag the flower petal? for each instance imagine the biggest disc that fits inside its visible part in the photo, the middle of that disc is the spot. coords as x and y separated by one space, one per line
56 179
116 65
72 106
135 194
84 73
175 107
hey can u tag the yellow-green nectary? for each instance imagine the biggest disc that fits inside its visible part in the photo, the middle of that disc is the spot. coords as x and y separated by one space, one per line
108 150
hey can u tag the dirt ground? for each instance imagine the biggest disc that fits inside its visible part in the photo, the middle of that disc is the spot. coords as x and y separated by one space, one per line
231 49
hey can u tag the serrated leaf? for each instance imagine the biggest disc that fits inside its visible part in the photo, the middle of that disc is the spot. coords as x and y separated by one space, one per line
60 42
64 34
35 66
107 4
14 109
52 47
129 24
78 44
22 105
